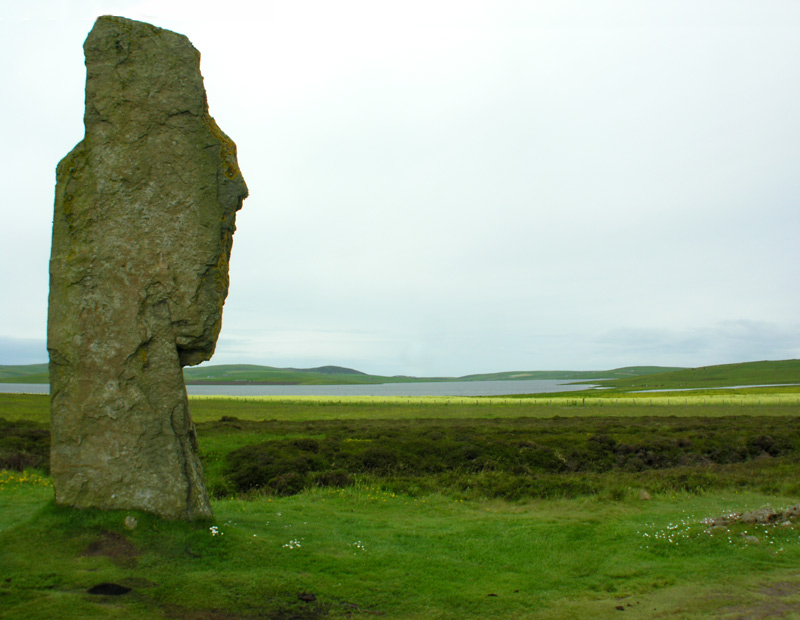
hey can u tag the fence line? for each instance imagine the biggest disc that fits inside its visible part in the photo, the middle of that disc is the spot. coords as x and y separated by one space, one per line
566 401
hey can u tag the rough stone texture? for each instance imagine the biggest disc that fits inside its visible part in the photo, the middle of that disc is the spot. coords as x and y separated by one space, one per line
144 217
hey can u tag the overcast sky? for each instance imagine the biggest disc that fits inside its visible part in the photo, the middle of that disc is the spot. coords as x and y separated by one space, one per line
445 187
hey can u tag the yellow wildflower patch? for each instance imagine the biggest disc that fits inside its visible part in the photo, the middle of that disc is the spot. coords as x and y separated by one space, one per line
13 479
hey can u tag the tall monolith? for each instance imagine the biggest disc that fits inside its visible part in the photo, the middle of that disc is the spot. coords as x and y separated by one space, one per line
144 217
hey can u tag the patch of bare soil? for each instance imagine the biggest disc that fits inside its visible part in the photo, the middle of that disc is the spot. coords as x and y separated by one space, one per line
314 613
179 613
305 608
780 600
115 547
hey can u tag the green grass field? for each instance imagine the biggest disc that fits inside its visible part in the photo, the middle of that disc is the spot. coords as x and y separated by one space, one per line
552 507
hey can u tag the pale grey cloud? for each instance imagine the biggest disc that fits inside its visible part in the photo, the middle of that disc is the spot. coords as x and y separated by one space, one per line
715 344
15 351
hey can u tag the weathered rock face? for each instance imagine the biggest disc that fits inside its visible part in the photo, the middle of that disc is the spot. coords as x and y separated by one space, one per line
144 217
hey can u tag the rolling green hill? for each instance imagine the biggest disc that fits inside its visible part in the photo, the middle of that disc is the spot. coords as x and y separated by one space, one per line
28 373
232 374
747 373
628 378
327 375
571 375
268 375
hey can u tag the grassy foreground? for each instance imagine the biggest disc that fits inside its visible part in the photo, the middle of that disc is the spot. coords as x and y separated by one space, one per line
370 550
362 552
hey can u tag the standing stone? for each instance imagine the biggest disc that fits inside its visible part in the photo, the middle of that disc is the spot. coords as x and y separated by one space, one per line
144 217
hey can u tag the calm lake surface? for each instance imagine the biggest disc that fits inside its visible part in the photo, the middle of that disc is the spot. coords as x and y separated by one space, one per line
444 388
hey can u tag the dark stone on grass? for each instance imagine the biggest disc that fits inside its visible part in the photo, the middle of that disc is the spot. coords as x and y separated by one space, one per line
109 589
764 515
144 217
792 511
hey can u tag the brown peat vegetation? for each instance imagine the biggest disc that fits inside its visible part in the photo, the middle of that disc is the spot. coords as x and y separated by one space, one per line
612 506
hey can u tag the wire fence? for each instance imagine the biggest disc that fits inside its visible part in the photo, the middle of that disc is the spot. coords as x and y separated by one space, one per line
559 401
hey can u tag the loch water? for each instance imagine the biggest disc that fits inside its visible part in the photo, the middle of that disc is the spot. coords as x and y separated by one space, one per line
422 388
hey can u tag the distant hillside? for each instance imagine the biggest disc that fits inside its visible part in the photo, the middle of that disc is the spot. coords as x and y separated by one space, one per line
269 375
629 378
327 375
333 370
226 374
747 373
571 375
28 373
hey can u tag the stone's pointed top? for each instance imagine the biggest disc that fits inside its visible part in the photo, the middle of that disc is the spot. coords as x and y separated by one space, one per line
119 22
114 26
143 72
